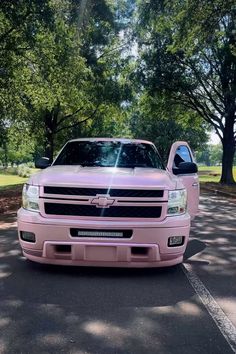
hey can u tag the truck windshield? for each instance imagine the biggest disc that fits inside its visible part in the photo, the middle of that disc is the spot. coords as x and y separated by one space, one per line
109 154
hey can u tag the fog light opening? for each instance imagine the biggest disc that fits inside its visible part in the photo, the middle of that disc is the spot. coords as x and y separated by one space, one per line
63 248
27 236
174 241
139 251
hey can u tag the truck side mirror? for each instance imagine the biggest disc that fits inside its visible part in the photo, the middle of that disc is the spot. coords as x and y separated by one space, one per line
42 163
185 168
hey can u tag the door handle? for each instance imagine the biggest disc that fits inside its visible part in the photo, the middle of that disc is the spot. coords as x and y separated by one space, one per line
195 184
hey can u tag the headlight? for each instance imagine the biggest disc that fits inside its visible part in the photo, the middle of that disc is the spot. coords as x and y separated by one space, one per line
30 197
177 202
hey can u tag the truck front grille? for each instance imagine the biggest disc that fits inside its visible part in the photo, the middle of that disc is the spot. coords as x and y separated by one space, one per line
130 193
113 211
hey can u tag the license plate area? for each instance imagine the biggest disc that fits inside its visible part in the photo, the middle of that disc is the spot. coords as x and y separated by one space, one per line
91 233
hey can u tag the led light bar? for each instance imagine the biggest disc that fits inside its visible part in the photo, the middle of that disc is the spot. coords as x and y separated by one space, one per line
100 233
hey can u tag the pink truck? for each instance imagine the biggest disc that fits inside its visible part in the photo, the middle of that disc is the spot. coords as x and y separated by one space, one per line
110 202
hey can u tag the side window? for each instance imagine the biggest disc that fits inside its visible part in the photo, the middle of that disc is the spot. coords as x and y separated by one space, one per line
182 155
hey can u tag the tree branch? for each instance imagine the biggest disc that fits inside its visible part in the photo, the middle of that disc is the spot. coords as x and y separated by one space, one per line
79 122
111 50
203 85
63 119
207 115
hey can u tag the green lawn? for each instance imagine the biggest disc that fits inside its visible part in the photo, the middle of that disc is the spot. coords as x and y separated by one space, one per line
10 180
7 179
211 173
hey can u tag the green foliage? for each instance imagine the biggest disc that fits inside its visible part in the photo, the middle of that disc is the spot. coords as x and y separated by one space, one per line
111 122
19 23
157 120
10 171
23 171
20 145
148 69
210 155
61 70
187 52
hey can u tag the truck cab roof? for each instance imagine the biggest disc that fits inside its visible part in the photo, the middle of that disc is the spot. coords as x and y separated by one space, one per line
122 140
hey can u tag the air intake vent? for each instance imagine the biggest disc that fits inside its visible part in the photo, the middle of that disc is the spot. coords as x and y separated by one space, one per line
116 211
135 193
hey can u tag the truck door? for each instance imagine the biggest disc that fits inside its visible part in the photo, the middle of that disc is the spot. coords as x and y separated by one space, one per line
180 152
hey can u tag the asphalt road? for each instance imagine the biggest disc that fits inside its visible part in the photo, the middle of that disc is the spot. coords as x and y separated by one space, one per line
48 309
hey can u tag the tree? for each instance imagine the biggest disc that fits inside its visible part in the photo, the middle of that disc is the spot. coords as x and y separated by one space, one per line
210 155
215 154
3 145
19 22
188 50
157 120
62 74
20 147
57 86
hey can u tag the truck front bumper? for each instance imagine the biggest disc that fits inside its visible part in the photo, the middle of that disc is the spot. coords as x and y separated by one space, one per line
147 247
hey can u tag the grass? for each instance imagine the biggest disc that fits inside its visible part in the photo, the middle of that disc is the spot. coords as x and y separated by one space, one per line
211 173
7 181
209 177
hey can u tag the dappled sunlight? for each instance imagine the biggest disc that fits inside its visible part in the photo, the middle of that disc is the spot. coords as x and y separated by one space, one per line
4 271
220 241
217 270
12 303
114 333
216 227
147 322
51 309
69 327
51 340
4 321
71 319
227 228
6 226
182 308
3 347
13 253
228 303
9 245
215 264
87 310
214 259
8 221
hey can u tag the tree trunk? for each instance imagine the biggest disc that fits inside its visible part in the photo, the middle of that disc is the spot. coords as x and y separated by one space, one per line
51 125
49 135
49 148
228 143
5 162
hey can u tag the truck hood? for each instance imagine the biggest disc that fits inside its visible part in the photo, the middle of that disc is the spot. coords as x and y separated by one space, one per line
75 176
